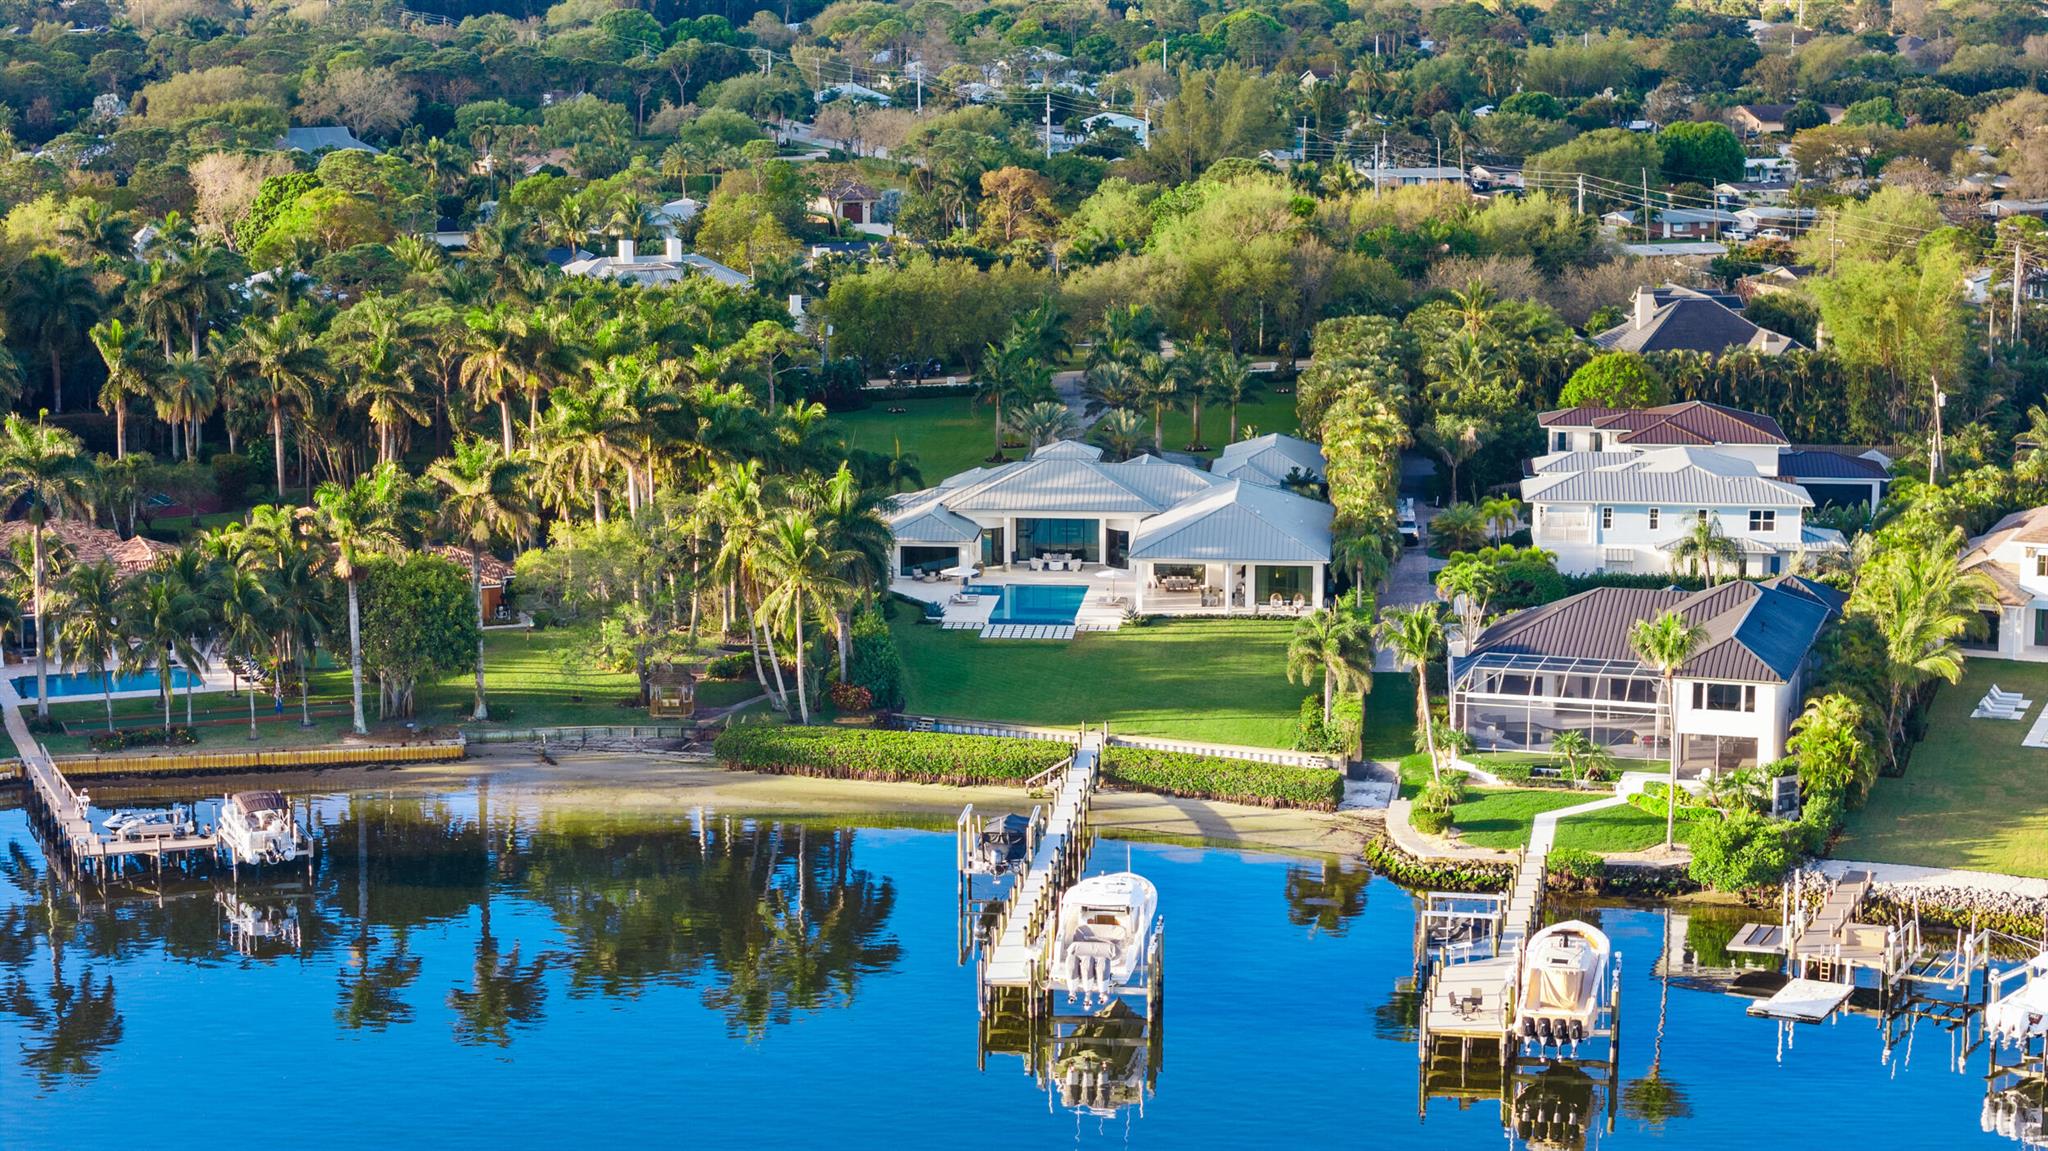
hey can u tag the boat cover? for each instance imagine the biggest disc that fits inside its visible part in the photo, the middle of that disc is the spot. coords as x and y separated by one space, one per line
2024 1013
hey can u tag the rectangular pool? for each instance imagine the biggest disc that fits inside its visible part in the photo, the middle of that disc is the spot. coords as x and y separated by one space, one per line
1035 603
84 683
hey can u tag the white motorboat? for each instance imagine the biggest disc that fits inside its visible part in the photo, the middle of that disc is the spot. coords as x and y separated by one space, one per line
257 827
2020 1015
151 823
1105 927
1563 984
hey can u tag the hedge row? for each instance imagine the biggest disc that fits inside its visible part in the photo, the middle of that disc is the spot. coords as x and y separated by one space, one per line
1389 860
1230 780
872 753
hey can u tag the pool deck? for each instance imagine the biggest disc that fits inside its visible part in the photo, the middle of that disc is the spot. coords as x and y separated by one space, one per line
1094 614
213 679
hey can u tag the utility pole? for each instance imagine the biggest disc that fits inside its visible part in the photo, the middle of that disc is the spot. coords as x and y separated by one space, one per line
1646 205
2019 277
1934 455
1147 141
1301 140
1048 125
920 89
1582 193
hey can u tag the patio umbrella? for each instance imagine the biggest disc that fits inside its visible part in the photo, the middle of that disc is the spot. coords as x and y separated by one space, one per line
1110 574
961 572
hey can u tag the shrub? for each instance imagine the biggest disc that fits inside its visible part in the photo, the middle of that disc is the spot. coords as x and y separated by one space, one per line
1585 867
1740 853
869 753
1432 810
877 667
232 472
732 665
122 740
1408 871
851 697
1230 780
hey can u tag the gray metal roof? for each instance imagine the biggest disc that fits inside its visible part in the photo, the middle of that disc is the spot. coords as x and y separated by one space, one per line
1057 483
1268 459
324 139
1244 522
927 521
1683 476
1757 632
1814 464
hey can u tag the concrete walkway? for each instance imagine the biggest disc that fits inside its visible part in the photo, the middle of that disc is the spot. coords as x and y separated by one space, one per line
1906 876
1535 870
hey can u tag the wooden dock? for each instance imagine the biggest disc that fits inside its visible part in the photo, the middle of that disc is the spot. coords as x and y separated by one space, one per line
1017 958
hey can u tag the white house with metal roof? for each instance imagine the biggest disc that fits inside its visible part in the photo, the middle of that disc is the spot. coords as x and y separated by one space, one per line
1567 667
2013 555
1193 541
1275 460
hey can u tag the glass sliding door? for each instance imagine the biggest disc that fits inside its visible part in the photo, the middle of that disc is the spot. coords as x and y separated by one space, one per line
1077 538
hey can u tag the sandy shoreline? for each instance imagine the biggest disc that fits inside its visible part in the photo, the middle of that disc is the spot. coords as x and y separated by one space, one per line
639 781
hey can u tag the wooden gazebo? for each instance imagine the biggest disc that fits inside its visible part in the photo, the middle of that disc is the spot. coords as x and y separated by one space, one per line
671 692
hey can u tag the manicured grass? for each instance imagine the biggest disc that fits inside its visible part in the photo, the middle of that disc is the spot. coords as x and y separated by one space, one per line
1269 413
1223 681
1502 818
948 434
1389 716
1972 797
1617 829
724 692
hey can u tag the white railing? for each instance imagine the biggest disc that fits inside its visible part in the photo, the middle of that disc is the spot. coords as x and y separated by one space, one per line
1231 751
1001 730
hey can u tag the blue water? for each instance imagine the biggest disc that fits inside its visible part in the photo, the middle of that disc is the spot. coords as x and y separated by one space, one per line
1036 603
85 683
557 978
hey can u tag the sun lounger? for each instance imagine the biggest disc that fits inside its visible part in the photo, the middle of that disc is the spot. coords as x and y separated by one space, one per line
2006 698
1984 712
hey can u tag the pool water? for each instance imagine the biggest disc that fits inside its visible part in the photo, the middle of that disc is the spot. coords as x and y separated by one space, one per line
1035 603
85 683
484 969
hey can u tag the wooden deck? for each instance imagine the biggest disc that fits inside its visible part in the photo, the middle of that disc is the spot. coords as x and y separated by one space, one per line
1017 958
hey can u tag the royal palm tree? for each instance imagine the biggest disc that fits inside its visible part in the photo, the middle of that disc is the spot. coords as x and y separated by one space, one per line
359 521
384 368
93 596
483 501
51 304
1663 644
1231 382
496 366
302 599
1121 432
161 617
248 624
45 468
802 578
1159 384
288 364
126 352
185 398
1921 604
1703 546
1417 635
1335 644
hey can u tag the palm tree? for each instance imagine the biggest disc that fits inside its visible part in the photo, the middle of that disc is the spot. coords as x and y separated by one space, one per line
196 573
1468 588
93 595
1655 1099
1333 643
1664 644
1159 384
803 581
185 398
484 500
285 359
126 352
1416 635
248 620
1502 514
52 304
1043 422
1112 384
852 524
1704 545
386 373
1120 431
1008 372
1458 528
496 366
359 521
46 468
1584 761
1231 381
1456 438
302 600
161 616
1921 603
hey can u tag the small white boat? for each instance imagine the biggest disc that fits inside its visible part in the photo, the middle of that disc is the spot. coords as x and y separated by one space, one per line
257 827
151 823
1105 926
1563 984
2021 1015
252 927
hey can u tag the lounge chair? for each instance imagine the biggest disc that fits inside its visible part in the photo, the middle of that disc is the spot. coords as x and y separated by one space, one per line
1274 601
2006 698
1300 603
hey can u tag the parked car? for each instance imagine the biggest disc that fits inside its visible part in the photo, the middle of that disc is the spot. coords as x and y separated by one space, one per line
1411 531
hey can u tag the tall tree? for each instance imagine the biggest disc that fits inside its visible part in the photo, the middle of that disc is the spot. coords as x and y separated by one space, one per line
359 521
288 363
45 469
1663 644
126 353
248 621
803 582
53 304
483 501
1921 604
1335 644
93 596
1417 635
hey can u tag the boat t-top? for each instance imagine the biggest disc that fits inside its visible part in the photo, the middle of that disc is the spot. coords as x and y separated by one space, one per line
1562 985
1105 926
257 827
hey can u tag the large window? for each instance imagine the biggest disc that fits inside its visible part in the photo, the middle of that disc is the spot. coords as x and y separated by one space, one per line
928 560
1285 582
1061 537
1719 754
992 552
1763 520
1724 697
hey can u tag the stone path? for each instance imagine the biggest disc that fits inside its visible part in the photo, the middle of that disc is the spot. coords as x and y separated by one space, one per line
1903 875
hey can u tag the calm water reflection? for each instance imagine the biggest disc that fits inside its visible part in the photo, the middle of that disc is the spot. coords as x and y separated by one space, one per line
482 969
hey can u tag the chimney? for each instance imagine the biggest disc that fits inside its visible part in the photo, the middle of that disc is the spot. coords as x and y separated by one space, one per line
675 249
1646 305
628 251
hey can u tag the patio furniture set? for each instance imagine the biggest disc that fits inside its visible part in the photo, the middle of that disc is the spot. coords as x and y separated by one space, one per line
1998 704
1056 562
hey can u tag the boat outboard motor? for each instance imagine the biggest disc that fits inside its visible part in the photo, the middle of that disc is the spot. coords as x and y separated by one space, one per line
1528 1028
1578 1031
1543 1029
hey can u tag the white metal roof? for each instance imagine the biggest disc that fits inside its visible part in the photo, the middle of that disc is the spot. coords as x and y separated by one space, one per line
1242 522
1268 459
1668 476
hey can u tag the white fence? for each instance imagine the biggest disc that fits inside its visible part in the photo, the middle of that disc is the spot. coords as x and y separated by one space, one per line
579 736
1148 743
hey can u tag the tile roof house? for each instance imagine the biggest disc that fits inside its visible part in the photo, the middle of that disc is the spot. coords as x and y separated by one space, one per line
1621 489
1162 521
1567 666
1675 319
2013 555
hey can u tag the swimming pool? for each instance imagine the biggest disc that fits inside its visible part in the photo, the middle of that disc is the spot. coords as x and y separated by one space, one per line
1034 603
82 683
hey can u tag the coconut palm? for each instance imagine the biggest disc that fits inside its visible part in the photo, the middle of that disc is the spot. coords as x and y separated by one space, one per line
1456 439
1121 432
358 522
45 469
801 574
496 366
1921 603
1458 528
1502 514
1043 422
93 595
196 573
1335 644
126 352
1663 644
1417 635
1008 374
1231 382
288 364
51 304
1468 588
161 616
1705 545
248 621
483 501
851 523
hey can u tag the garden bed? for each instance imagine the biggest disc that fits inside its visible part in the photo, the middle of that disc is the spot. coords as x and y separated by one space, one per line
876 754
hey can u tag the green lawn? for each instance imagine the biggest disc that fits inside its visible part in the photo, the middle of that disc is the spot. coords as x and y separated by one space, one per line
1390 716
1502 818
1972 797
1269 413
1614 829
1219 680
949 434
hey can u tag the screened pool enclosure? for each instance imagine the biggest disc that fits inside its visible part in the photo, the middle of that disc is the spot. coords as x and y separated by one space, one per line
1509 702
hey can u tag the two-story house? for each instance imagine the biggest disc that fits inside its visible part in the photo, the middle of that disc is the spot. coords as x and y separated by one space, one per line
1670 318
1622 489
2013 555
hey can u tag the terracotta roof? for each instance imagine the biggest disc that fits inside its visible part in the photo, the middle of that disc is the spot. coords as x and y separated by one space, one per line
87 544
495 570
1692 423
848 188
